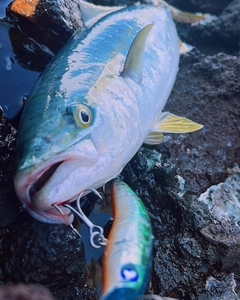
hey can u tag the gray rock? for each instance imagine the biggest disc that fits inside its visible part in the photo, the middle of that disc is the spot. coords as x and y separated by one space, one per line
220 289
8 201
220 35
51 255
24 292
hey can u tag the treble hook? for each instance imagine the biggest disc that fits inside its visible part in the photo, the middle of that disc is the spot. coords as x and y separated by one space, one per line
71 225
95 230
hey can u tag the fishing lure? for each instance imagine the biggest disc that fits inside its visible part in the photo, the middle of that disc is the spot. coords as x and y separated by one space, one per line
128 254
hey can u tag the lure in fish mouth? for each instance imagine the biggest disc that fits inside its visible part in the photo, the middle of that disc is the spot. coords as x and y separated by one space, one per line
94 105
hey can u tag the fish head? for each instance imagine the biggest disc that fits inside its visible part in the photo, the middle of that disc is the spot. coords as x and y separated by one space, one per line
48 154
67 149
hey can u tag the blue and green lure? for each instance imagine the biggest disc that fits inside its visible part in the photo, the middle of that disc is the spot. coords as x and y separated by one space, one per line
128 254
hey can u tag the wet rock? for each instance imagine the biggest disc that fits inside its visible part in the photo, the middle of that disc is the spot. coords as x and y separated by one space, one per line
218 205
54 19
227 240
113 2
8 201
206 91
219 224
24 292
24 8
222 34
48 24
223 200
206 6
220 289
191 244
48 254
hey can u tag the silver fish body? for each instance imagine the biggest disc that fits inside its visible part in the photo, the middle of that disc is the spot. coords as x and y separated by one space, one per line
89 113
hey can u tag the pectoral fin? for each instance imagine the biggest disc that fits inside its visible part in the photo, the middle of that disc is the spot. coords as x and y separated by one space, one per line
170 123
154 138
134 62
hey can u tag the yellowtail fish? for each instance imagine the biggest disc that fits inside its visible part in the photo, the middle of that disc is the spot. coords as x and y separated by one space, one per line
94 105
128 253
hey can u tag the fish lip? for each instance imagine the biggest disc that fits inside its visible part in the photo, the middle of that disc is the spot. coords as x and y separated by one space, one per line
24 181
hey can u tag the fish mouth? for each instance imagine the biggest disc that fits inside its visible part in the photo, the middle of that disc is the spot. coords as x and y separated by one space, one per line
30 182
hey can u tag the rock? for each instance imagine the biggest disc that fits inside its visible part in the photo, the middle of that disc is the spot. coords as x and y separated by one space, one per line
24 8
223 200
49 23
222 34
222 203
24 292
205 6
113 2
48 254
8 201
207 91
220 289
190 242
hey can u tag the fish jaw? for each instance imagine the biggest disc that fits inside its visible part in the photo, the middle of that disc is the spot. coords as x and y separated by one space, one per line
35 186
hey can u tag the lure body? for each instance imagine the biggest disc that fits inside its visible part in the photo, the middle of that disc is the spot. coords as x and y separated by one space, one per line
128 253
89 112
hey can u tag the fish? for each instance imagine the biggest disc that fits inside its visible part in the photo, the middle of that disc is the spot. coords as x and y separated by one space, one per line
94 105
128 252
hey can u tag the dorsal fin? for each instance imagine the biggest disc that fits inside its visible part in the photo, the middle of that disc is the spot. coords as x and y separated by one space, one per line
92 13
134 62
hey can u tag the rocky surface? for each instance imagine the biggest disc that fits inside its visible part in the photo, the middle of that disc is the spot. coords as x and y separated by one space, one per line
190 184
50 23
8 202
220 35
24 292
50 255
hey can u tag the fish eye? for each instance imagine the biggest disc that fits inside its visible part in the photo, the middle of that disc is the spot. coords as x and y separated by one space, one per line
81 114
84 116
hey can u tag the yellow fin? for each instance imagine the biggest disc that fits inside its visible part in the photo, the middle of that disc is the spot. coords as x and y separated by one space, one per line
184 47
171 123
154 138
182 16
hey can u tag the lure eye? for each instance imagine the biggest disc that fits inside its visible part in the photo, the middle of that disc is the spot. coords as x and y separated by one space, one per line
81 114
128 273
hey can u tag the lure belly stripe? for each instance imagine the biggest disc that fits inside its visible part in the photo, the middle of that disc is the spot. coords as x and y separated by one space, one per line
128 253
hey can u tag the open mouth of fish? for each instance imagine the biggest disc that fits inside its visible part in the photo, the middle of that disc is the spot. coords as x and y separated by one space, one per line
44 190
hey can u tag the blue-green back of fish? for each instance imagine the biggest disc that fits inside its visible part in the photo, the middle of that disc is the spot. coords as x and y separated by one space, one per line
79 64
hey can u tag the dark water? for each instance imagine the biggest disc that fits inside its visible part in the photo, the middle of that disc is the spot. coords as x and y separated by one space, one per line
15 81
3 4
